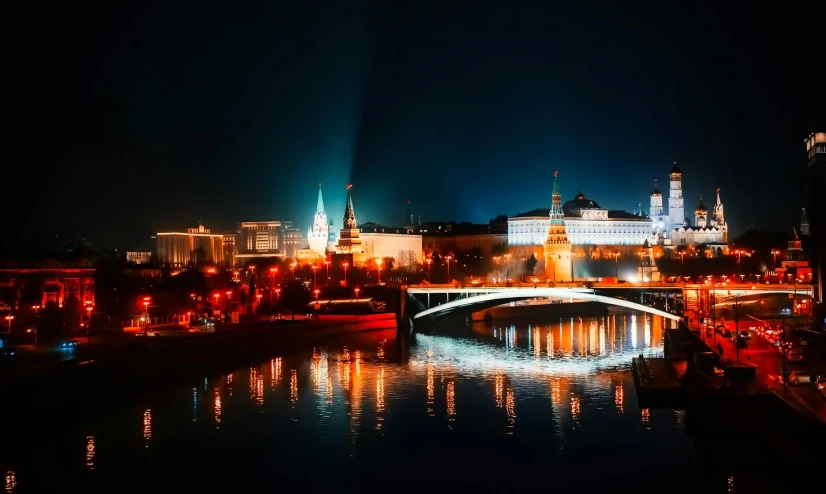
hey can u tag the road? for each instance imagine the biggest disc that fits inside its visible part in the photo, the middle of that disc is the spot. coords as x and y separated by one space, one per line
769 363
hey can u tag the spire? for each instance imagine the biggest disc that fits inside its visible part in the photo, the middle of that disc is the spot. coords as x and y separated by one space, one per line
319 209
718 196
557 216
349 212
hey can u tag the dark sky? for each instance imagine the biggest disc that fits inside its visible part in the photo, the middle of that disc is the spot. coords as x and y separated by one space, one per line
124 118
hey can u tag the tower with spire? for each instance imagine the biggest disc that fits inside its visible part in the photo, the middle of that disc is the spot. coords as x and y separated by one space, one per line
656 208
557 247
349 239
676 209
317 236
805 227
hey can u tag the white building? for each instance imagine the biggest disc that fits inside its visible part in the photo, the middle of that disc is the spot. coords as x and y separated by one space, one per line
586 223
381 242
318 235
676 208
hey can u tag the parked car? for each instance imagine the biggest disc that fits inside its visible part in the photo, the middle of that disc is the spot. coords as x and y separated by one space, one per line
794 356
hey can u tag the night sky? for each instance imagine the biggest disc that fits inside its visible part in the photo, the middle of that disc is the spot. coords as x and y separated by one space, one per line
124 118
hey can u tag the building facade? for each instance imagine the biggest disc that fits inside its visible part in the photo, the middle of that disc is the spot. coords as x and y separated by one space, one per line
139 257
180 249
292 239
381 242
46 283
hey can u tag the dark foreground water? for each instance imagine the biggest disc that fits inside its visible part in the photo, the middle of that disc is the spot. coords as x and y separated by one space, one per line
548 407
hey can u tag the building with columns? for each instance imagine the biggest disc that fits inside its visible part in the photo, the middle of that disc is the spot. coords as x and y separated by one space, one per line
179 249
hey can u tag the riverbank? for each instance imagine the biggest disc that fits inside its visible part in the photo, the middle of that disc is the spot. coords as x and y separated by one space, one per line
148 362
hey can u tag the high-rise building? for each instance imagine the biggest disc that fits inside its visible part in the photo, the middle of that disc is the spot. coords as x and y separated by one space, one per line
816 167
557 247
257 239
676 210
196 245
318 235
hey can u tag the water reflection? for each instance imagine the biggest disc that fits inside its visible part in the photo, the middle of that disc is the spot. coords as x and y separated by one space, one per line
147 425
11 481
359 402
90 452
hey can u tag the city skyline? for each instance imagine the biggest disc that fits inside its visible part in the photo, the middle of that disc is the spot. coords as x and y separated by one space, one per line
163 121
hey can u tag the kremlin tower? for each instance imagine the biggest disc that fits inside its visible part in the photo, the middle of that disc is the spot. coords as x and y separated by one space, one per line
317 236
557 247
349 241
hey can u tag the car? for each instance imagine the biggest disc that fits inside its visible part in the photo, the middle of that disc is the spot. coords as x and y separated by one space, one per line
794 356
68 344
800 377
725 333
745 335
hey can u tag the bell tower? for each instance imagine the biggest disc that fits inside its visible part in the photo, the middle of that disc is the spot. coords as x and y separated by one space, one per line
676 209
557 247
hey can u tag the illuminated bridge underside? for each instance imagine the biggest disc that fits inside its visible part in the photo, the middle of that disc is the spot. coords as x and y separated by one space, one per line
513 294
444 351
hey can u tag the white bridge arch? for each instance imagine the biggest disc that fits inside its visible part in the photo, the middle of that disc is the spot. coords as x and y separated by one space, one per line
512 294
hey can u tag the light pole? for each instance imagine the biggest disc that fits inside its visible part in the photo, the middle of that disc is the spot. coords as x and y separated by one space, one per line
616 265
496 258
345 265
507 268
292 266
736 329
774 254
314 267
217 297
9 318
146 312
89 324
378 269
36 308
229 295
682 262
278 298
448 258
783 313
327 265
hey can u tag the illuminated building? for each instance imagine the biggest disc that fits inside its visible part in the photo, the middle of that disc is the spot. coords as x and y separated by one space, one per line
257 239
349 240
318 235
586 223
676 209
816 167
381 242
54 282
230 240
292 240
179 249
557 246
139 257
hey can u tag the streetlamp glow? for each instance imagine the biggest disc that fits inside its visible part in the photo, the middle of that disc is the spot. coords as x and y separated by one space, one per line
345 265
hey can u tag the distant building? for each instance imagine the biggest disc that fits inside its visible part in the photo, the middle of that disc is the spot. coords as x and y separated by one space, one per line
230 241
196 244
139 257
381 242
292 239
51 282
257 239
451 237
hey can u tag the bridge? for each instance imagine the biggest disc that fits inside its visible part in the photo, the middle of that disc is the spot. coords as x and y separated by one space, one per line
428 302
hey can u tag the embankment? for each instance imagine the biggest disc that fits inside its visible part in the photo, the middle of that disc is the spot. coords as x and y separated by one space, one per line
151 363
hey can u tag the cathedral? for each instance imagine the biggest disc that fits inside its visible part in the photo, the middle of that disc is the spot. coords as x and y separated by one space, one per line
673 229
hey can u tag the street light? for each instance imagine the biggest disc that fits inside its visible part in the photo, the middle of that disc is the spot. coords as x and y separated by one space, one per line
327 265
345 265
314 267
507 267
774 254
292 266
357 294
682 262
278 299
9 318
378 265
616 256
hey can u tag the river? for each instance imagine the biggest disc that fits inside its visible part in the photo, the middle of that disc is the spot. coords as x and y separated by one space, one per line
549 406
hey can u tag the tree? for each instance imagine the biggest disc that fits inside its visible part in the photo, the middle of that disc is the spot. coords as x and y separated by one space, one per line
295 297
530 264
